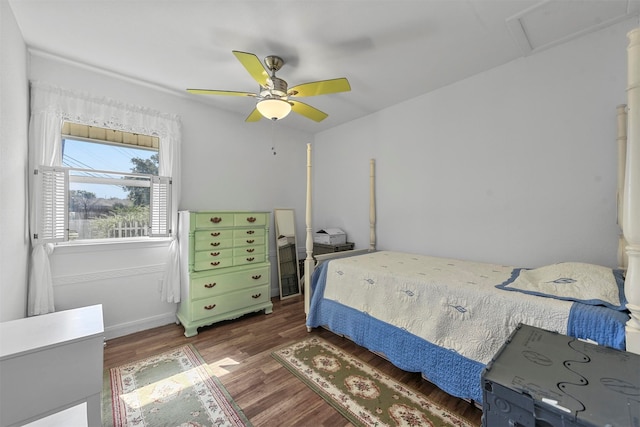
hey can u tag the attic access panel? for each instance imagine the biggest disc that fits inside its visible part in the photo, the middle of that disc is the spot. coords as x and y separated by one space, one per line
553 22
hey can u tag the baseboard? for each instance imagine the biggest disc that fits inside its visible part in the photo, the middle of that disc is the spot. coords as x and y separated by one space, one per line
139 325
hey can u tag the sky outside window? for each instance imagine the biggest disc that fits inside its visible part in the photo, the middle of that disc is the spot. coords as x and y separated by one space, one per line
110 157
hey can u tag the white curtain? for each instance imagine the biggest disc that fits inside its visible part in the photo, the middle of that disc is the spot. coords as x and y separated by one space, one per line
170 166
50 107
45 129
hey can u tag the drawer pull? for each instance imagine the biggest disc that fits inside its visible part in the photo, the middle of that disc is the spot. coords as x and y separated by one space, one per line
209 307
215 264
214 244
215 219
251 250
251 219
210 285
216 234
214 253
256 296
256 277
251 240
251 258
250 231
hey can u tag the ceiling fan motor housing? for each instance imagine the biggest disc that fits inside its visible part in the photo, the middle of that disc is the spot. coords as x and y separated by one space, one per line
279 87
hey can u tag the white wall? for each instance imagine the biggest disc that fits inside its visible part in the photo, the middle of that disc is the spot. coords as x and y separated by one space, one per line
14 117
227 164
515 166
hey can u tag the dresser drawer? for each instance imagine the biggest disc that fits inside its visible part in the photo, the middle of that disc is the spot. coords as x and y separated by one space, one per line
212 284
248 251
251 218
248 233
237 300
214 219
212 239
249 240
249 259
213 258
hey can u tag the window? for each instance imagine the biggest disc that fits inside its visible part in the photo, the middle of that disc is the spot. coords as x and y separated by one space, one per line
107 188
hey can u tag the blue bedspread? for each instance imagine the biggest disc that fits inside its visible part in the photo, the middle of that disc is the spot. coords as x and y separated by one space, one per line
450 371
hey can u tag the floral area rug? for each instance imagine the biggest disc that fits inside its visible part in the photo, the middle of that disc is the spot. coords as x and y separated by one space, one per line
175 388
365 396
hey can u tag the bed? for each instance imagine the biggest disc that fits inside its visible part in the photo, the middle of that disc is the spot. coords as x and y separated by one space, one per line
446 318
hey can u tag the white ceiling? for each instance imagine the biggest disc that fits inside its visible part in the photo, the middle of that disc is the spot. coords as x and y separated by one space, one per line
390 50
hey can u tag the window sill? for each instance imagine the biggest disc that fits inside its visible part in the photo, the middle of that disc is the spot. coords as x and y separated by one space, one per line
99 245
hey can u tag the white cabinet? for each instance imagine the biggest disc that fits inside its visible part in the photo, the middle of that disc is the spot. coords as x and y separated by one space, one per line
50 363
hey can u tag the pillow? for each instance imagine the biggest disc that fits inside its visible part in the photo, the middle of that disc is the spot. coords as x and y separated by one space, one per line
571 281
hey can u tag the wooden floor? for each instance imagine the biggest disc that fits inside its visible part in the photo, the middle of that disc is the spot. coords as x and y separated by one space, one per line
239 352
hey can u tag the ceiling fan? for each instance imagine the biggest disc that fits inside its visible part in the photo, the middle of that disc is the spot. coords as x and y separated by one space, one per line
275 99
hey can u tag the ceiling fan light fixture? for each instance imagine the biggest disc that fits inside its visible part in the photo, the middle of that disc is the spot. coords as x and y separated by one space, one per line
273 108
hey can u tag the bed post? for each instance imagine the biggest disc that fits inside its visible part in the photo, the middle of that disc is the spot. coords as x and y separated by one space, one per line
622 161
631 202
372 205
308 262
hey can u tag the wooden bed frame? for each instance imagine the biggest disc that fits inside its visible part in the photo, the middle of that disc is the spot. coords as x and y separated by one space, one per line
628 140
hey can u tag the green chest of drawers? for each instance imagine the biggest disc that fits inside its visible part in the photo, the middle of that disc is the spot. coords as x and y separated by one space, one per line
225 268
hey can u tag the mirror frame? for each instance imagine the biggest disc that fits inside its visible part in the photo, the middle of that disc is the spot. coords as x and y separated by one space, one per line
277 229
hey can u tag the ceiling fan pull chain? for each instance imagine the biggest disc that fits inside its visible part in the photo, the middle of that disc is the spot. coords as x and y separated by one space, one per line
273 137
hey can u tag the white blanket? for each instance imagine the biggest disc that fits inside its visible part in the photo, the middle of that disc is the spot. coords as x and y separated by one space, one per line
451 303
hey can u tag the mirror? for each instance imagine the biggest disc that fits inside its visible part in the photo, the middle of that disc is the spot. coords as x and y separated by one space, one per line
288 268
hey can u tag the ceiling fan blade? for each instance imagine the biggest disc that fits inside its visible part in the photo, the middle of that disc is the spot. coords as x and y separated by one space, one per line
321 88
254 116
308 111
253 66
220 92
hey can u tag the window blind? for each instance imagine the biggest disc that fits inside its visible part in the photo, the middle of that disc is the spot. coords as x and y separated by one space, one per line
160 206
51 211
110 135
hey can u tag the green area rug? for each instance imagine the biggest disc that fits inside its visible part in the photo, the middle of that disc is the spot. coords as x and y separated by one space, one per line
174 388
365 396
